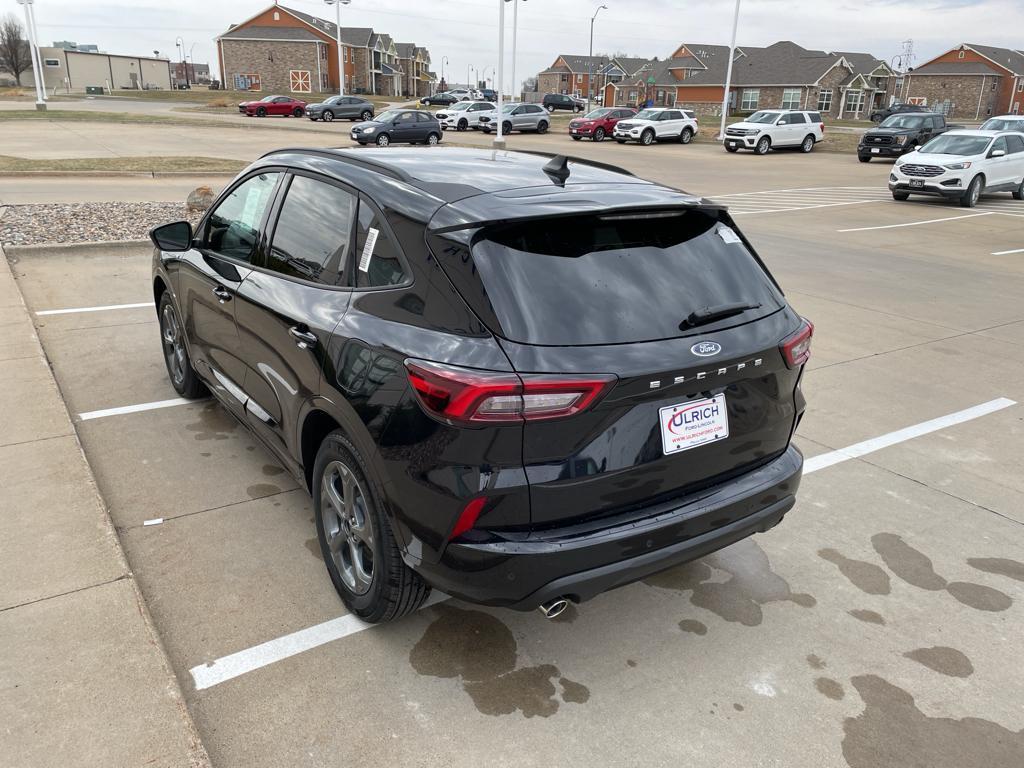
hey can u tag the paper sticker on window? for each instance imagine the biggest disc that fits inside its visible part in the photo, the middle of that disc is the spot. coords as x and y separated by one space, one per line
728 236
367 254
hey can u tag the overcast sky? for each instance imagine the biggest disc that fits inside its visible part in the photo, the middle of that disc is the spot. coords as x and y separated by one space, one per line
466 30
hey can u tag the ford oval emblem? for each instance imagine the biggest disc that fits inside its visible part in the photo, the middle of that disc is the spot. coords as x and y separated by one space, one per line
706 348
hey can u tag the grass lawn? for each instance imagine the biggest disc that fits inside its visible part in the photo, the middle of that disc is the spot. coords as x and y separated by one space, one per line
83 116
135 164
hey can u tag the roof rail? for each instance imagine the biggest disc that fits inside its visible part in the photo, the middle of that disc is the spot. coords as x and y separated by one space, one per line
348 156
575 159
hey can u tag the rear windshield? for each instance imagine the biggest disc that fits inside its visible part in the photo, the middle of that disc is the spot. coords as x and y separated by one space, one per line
613 278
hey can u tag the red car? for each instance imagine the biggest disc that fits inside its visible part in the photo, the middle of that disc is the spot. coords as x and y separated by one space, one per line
273 105
598 123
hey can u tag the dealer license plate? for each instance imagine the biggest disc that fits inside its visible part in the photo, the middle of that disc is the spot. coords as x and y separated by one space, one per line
917 182
688 425
875 150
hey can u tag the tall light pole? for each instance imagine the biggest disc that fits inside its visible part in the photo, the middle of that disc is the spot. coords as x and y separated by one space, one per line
728 72
337 36
444 60
499 141
590 59
33 46
180 45
515 29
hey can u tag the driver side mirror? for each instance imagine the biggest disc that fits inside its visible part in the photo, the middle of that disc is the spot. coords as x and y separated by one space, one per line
174 238
997 153
782 122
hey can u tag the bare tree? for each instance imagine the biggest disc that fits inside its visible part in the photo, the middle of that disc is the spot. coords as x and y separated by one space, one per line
15 56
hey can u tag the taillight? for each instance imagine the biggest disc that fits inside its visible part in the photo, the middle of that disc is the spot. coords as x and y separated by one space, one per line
797 348
822 126
467 396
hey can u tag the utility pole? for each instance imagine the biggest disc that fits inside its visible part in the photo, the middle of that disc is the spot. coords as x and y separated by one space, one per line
337 30
33 47
590 58
728 72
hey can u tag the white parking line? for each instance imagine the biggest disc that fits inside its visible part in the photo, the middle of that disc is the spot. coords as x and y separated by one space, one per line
74 310
250 659
917 223
88 415
1006 253
800 208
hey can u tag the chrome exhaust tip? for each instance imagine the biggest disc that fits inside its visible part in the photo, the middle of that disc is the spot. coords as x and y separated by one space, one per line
554 608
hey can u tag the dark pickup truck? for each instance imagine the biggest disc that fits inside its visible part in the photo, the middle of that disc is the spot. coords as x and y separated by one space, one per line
902 133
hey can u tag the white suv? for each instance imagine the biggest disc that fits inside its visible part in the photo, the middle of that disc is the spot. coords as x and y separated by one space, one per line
657 124
960 165
771 128
463 115
1004 123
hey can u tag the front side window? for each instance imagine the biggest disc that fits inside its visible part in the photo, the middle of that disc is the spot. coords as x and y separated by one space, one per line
791 98
999 143
749 99
311 239
377 263
233 226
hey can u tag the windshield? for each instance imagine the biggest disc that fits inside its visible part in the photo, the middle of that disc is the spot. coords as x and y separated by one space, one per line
956 145
268 98
903 121
763 117
999 124
508 107
596 113
462 105
333 100
388 116
648 114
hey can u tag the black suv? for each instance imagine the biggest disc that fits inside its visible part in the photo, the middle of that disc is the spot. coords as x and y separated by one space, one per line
553 101
520 379
897 108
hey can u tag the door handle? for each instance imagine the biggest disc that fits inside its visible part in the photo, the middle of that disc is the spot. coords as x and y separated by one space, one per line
222 294
303 338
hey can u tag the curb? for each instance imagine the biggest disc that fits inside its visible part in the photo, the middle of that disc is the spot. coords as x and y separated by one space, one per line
103 248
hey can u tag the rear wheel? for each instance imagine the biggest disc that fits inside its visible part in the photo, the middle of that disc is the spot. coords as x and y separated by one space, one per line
763 146
432 139
647 137
1018 193
970 197
356 540
542 126
506 129
686 136
383 140
599 134
366 115
807 145
551 107
328 115
901 196
179 367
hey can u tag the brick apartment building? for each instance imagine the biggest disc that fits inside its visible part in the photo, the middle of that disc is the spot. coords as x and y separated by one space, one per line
284 50
969 82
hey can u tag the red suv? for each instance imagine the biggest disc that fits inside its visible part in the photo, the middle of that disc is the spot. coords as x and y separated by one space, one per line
598 123
273 105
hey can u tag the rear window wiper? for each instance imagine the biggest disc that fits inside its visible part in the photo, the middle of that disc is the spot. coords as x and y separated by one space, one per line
716 312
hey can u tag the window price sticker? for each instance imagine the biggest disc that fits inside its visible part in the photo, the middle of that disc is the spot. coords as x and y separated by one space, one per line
367 254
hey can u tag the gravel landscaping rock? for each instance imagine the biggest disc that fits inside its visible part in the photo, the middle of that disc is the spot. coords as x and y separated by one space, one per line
86 222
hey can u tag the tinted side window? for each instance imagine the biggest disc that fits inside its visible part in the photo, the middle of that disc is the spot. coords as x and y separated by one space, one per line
376 261
234 225
1015 144
314 227
815 117
797 117
423 117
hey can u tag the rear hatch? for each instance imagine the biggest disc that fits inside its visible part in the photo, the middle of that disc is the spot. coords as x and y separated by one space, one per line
676 307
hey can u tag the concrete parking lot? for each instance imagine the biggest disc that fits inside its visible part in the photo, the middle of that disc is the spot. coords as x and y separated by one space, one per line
878 625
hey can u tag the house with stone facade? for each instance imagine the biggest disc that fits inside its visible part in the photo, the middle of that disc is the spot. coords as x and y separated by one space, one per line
970 82
572 74
781 76
283 50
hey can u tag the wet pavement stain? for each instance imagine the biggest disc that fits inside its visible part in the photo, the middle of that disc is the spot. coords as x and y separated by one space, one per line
867 577
944 660
206 454
1000 566
259 490
481 650
738 707
816 662
270 470
915 567
630 663
830 688
892 731
751 584
214 423
871 617
693 626
313 545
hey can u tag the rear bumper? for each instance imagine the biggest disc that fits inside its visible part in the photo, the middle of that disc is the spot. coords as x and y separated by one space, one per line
523 573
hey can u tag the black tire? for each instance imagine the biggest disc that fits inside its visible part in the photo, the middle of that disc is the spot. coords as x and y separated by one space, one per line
729 148
620 141
576 109
647 137
599 134
901 196
876 119
506 128
807 145
433 139
261 112
383 140
972 194
686 136
550 107
328 116
763 146
486 130
1018 193
577 138
366 115
173 343
542 126
394 589
298 112
463 124
864 158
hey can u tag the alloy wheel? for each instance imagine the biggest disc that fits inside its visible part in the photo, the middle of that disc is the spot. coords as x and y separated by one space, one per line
328 116
366 115
174 345
599 134
347 527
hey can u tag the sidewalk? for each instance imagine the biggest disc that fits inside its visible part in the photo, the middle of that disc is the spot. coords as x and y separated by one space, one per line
84 680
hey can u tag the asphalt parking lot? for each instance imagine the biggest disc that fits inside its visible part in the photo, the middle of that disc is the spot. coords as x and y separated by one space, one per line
878 625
